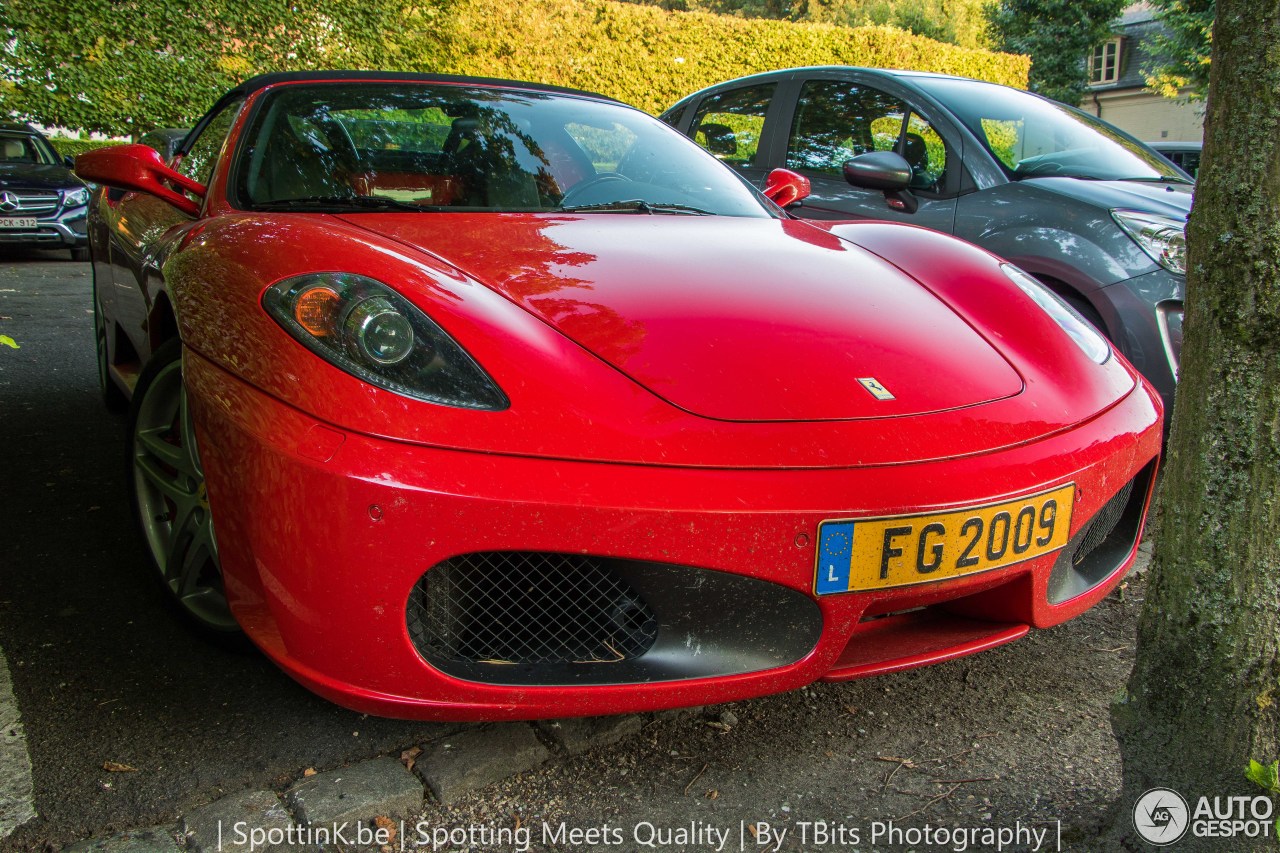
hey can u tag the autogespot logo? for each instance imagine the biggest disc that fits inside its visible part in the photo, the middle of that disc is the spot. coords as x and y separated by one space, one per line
1161 816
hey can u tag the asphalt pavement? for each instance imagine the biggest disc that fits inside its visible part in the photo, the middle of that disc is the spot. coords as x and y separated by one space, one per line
102 671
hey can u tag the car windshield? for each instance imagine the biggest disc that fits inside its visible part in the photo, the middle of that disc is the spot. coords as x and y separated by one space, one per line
440 147
1034 137
24 148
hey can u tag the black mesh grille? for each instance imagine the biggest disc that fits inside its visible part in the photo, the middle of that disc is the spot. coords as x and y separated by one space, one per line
1101 525
528 608
1103 544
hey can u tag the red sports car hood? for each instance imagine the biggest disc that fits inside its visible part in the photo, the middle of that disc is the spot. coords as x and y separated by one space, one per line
727 318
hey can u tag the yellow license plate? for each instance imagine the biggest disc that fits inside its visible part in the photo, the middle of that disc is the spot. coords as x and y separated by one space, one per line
856 555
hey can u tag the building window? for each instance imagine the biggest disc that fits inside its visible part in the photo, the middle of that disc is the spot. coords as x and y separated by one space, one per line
1104 63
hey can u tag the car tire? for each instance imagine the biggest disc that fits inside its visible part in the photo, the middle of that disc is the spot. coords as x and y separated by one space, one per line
112 396
167 491
80 254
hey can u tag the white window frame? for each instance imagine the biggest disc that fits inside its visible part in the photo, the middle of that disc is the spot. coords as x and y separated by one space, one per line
1104 69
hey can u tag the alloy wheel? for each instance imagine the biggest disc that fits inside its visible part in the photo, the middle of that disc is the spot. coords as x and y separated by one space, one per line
172 502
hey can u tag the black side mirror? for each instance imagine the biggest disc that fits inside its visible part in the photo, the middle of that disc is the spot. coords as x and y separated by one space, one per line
878 170
886 171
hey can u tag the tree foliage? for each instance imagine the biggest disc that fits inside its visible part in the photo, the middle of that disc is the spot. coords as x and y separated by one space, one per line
1204 697
1182 50
1058 35
126 67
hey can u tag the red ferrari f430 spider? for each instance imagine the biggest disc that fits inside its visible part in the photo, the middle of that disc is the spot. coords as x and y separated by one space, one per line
473 399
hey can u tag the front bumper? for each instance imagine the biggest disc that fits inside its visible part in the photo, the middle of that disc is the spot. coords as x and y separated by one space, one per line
323 536
66 229
1142 305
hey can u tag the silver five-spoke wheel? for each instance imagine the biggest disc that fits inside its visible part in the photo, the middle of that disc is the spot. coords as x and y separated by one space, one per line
170 496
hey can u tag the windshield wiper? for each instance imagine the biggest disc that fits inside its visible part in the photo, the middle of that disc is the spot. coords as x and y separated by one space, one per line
363 202
1162 179
636 205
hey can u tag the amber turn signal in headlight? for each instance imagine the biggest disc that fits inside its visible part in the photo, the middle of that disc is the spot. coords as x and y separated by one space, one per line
365 328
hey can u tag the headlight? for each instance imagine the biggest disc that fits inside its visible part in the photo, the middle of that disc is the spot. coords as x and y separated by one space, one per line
76 198
368 330
1162 237
1079 329
1170 317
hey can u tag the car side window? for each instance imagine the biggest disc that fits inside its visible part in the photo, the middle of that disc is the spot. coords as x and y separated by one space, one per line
197 164
1189 162
836 121
730 124
924 149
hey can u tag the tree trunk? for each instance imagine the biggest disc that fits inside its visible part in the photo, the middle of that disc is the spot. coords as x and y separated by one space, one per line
1204 696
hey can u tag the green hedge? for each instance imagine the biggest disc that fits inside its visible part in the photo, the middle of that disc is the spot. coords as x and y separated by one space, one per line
125 66
72 147
651 58
122 67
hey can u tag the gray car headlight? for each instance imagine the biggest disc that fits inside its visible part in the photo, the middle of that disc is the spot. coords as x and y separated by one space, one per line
1080 330
76 198
1162 237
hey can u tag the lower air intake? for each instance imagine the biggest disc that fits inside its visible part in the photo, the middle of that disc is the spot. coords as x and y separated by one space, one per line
543 619
528 608
1103 544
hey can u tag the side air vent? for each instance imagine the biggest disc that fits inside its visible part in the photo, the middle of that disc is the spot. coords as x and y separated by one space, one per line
1101 546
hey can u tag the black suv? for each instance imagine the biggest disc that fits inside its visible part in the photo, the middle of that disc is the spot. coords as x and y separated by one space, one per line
42 204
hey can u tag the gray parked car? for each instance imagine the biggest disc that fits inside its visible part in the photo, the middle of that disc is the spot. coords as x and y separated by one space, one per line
1087 209
1184 155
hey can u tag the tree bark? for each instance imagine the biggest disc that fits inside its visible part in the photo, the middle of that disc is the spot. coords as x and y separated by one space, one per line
1204 696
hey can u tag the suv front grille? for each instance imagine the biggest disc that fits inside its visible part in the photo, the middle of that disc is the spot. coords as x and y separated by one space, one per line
28 202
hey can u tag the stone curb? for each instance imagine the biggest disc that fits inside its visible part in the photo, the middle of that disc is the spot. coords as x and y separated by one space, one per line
476 758
449 768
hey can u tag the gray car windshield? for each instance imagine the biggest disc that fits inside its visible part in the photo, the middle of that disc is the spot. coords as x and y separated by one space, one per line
1033 137
437 147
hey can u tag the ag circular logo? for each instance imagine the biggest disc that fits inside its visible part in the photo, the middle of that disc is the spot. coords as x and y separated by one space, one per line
1161 816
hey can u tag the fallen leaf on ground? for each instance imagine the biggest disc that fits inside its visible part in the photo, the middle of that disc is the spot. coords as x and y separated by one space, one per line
310 771
384 822
115 767
409 756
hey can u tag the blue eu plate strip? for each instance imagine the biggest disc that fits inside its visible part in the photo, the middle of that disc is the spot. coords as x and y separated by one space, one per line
835 552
